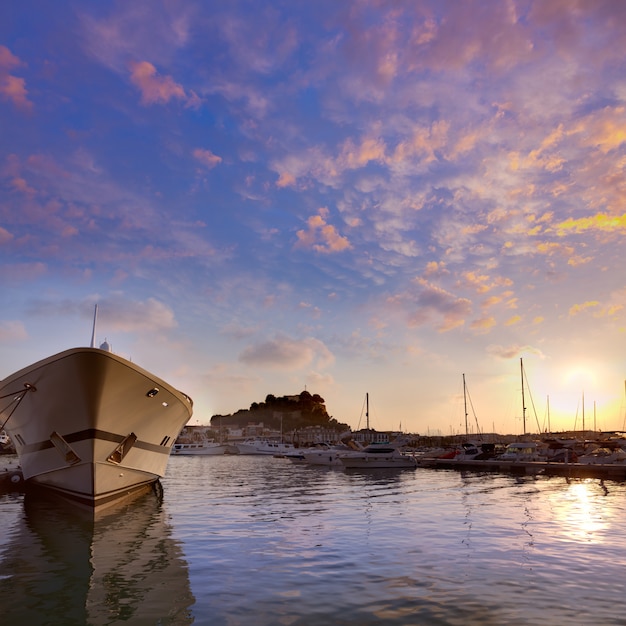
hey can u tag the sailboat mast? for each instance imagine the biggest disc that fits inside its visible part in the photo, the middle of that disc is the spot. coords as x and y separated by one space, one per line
465 406
367 410
521 363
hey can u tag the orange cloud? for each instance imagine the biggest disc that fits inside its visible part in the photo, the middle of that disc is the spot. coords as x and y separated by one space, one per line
435 269
577 308
491 301
577 260
354 156
153 88
484 324
598 222
605 130
321 236
286 180
594 307
425 142
482 283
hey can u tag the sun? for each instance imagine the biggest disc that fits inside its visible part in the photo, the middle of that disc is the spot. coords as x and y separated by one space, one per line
580 377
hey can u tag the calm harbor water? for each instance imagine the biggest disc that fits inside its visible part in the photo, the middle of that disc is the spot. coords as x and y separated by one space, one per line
257 540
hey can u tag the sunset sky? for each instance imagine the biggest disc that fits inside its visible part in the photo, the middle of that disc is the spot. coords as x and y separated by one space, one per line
348 197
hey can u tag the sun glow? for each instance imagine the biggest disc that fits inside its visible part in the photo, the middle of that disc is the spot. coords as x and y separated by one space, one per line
569 393
580 377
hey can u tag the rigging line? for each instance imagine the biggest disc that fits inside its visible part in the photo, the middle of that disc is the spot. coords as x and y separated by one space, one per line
358 426
531 399
17 398
473 412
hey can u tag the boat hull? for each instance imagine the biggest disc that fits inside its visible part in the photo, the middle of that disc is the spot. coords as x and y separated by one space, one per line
90 425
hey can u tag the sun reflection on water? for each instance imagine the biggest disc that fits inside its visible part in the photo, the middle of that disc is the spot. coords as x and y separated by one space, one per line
580 513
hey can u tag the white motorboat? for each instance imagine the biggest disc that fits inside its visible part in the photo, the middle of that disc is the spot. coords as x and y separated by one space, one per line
327 454
521 451
199 447
90 425
378 455
265 446
603 455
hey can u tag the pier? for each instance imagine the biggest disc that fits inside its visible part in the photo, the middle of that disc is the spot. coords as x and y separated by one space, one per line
610 471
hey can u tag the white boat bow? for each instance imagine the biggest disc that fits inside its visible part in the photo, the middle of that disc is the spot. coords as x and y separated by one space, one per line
91 425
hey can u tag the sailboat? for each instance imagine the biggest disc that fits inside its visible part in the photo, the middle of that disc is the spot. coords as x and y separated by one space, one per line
90 426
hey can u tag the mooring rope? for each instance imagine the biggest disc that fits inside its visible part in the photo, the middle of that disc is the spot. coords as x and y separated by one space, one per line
18 396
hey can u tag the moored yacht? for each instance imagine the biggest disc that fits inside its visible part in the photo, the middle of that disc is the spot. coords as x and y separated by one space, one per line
265 446
91 426
321 454
521 451
199 447
378 455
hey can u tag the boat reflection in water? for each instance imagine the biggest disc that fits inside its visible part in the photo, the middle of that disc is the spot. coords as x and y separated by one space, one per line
62 565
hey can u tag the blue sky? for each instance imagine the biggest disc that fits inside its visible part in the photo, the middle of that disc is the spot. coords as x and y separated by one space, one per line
352 197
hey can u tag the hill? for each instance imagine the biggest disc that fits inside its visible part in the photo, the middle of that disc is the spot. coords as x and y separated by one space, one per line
287 412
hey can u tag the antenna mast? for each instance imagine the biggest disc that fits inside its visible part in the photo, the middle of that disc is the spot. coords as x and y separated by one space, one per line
93 332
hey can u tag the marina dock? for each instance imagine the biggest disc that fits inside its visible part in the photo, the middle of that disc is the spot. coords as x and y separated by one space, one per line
610 471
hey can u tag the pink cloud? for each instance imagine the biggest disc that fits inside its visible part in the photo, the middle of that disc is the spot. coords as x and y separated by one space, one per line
154 89
286 180
435 301
285 353
20 185
207 158
5 235
12 88
12 331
